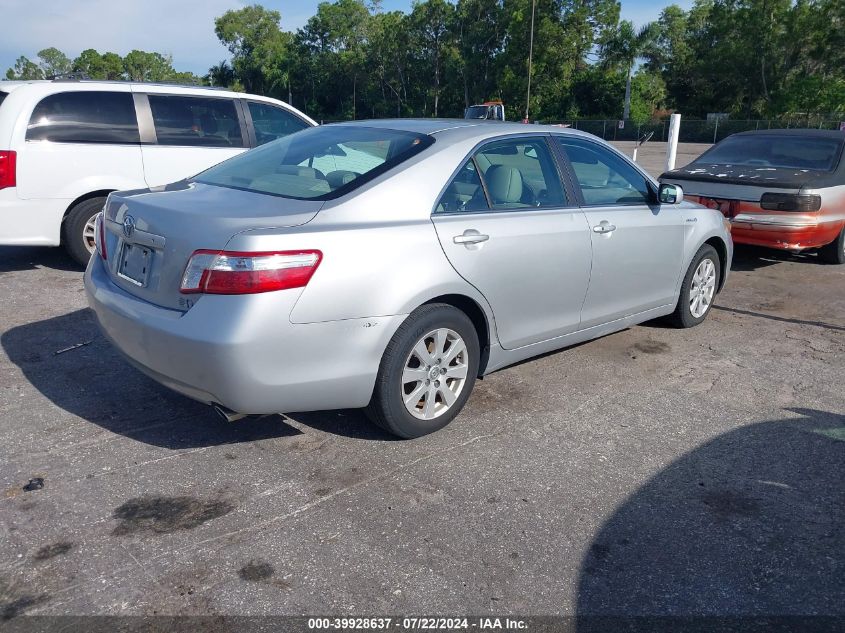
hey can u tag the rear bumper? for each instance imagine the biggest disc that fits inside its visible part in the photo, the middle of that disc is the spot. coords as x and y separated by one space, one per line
792 236
242 351
30 222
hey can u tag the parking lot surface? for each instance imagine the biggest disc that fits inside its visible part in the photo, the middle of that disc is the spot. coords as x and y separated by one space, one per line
653 471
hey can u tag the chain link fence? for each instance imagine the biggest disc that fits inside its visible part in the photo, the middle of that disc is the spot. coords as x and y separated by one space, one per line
693 130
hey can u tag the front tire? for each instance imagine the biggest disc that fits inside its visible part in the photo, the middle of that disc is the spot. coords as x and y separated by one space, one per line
698 288
78 229
427 372
834 253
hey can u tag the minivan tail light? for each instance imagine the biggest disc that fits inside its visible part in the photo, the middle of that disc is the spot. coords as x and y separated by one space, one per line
8 168
236 273
790 202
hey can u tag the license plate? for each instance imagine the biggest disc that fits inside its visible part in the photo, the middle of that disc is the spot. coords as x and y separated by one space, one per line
134 263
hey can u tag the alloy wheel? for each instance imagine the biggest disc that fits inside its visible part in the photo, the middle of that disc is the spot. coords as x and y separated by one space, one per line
88 233
703 288
434 373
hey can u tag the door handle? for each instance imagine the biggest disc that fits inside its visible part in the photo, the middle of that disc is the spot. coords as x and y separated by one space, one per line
470 237
604 227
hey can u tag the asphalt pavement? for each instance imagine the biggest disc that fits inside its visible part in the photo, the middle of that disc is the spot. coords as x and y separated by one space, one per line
653 471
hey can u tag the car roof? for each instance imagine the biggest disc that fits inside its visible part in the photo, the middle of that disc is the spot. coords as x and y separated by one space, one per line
16 83
461 128
807 133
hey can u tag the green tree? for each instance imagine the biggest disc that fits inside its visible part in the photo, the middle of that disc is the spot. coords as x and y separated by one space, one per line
336 37
112 67
25 69
221 75
623 48
106 66
258 47
144 66
480 34
430 23
53 62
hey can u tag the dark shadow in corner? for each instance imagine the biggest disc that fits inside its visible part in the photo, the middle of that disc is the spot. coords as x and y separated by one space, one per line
96 384
15 258
748 258
748 524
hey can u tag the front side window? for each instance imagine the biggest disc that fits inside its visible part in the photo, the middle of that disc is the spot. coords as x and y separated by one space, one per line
85 117
196 121
319 163
604 177
271 122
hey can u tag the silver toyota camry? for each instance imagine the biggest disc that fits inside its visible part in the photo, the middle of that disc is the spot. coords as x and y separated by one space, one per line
389 264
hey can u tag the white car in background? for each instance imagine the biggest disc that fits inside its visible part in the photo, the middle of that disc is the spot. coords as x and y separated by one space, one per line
66 144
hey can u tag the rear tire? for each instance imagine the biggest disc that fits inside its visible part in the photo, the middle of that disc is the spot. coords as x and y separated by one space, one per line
427 372
700 282
78 229
834 253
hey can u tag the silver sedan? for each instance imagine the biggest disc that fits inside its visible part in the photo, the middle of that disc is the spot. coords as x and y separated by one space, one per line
389 264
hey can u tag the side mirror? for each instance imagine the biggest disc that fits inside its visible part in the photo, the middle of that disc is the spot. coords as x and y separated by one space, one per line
670 194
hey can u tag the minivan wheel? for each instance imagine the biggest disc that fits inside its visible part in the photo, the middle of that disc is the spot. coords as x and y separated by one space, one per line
834 253
427 372
698 288
78 229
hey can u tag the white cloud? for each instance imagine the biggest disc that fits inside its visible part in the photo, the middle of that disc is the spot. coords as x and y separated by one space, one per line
183 28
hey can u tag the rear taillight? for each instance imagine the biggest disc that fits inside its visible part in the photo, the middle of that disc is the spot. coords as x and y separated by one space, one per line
236 273
790 202
8 168
100 235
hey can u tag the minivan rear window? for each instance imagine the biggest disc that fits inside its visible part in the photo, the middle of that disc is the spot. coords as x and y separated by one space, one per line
85 117
319 163
771 150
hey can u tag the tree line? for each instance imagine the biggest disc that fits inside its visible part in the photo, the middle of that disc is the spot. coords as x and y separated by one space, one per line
135 66
747 58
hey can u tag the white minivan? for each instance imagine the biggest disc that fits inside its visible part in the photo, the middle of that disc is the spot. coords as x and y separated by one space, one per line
66 144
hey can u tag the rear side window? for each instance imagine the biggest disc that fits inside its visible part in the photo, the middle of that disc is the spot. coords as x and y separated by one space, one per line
85 117
2 97
272 122
319 163
512 174
770 150
520 173
605 178
465 193
196 121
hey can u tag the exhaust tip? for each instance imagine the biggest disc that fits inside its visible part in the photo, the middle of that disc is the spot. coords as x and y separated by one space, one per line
227 414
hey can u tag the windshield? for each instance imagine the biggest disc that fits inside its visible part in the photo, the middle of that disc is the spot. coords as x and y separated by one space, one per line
318 163
790 152
476 112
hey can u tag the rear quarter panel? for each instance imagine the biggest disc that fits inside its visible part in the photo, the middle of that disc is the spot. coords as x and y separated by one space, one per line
381 254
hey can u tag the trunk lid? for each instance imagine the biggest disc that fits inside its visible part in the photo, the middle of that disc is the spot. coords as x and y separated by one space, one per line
151 233
714 176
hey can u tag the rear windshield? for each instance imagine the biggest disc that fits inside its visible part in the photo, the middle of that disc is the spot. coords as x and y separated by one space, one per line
790 152
318 163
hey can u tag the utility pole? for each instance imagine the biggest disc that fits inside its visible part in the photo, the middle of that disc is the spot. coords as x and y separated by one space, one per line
530 54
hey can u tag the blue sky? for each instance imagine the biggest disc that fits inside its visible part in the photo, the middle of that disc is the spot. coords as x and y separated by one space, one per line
183 28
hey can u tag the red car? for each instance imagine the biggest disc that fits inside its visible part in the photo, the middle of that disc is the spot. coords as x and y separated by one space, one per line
783 189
